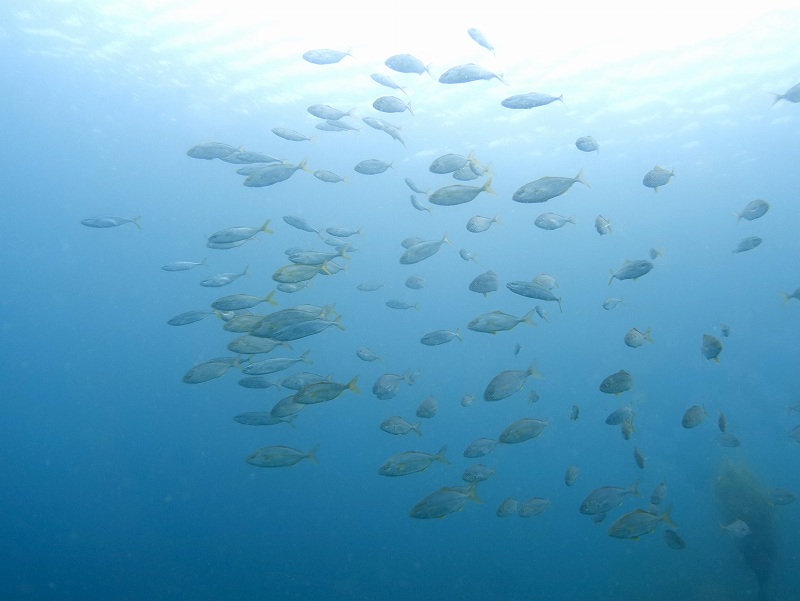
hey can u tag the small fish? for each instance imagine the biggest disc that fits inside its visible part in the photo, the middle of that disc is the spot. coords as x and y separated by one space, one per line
497 321
210 150
479 38
189 317
634 338
480 447
262 418
587 144
280 456
467 256
724 330
467 400
371 167
399 427
457 194
414 187
533 396
617 383
617 416
611 302
658 494
693 416
657 177
711 347
391 104
521 430
507 507
631 270
406 63
485 283
325 390
183 265
291 135
106 222
478 224
444 501
722 422
223 279
533 290
401 304
411 462
602 225
673 539
235 302
533 506
726 439
422 250
753 210
530 100
606 498
370 286
571 475
506 383
545 188
438 337
468 72
477 473
737 528
781 496
270 366
324 56
574 413
386 81
789 296
746 244
328 113
273 174
365 354
626 428
329 177
415 282
210 370
552 221
640 459
637 523
427 408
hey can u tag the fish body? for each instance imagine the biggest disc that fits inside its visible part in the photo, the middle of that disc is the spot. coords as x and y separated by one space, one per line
422 250
530 100
533 506
480 447
631 270
753 210
507 507
545 188
657 177
290 135
587 144
438 337
406 63
273 174
280 456
110 221
497 321
617 383
522 430
635 338
468 72
444 501
790 95
399 427
391 104
638 522
604 499
324 56
693 416
533 290
457 194
602 225
711 347
411 462
506 383
552 221
479 38
746 244
371 167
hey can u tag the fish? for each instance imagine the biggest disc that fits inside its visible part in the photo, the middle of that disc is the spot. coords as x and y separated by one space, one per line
468 72
262 418
611 302
273 174
477 473
406 63
427 408
658 494
479 38
737 528
286 407
574 413
693 416
533 506
521 430
485 283
546 188
552 221
722 421
291 135
438 337
297 380
399 427
711 347
371 167
602 225
587 144
223 279
507 507
617 416
726 439
457 194
297 272
391 104
753 210
257 383
638 522
530 100
253 345
249 157
370 286
367 355
189 317
478 224
387 385
790 95
497 321
111 221
634 338
787 296
640 459
270 366
235 302
673 539
631 270
324 56
183 265
280 456
571 475
532 290
415 282
210 150
533 397
320 392
300 224
210 370
239 233
414 187
626 428
335 126
606 498
480 447
386 81
746 244
617 383
422 250
415 202
781 496
411 462
328 113
469 399
467 256
444 501
401 304
657 177
506 383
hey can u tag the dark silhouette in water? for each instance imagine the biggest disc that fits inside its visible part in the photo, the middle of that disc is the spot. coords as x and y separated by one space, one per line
740 494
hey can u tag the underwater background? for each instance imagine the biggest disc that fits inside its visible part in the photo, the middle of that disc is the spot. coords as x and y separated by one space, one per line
121 481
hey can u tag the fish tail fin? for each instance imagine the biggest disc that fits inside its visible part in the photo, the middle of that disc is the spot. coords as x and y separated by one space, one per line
270 300
500 78
738 216
446 239
246 271
290 420
473 258
312 454
265 228
302 166
777 98
440 455
458 335
496 219
473 495
561 98
571 219
560 308
416 429
487 187
665 517
137 221
408 108
304 357
634 489
786 296
204 262
533 373
647 336
528 317
428 70
351 385
611 279
579 179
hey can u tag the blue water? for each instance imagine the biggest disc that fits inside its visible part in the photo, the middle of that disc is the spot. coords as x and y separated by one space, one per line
123 482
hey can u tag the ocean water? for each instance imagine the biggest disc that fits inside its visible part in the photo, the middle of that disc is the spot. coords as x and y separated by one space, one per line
122 482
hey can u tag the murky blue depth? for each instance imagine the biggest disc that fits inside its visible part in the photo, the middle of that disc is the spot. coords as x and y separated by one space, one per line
123 482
